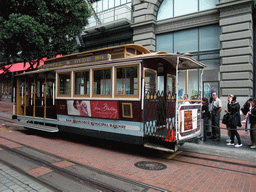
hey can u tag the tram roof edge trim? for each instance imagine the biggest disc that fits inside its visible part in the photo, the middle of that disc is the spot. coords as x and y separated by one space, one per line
185 62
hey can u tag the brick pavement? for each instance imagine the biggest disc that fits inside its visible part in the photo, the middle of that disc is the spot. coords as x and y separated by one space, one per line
177 177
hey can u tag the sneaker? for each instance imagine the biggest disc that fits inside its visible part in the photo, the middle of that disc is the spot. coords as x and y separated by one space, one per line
253 147
239 145
228 140
230 143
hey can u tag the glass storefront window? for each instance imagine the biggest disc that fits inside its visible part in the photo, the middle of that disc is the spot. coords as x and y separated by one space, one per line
186 41
82 83
209 38
102 82
192 40
127 81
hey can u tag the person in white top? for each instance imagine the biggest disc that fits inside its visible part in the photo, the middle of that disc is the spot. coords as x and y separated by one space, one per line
185 98
215 116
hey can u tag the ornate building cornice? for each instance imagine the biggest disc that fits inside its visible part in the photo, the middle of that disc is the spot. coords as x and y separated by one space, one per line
188 21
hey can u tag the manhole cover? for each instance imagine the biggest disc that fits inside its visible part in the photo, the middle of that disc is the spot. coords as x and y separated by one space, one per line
149 165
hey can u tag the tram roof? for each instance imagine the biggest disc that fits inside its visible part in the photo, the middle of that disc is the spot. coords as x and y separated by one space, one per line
186 61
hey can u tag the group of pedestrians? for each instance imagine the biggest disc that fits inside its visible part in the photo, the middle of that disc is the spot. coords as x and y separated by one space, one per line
232 119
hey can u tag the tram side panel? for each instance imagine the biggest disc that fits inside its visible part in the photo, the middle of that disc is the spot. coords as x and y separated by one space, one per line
113 120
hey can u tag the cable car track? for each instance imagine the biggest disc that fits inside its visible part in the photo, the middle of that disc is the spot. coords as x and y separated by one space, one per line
209 160
92 182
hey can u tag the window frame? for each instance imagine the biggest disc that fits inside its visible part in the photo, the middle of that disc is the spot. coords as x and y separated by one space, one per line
150 71
111 80
115 81
58 84
74 83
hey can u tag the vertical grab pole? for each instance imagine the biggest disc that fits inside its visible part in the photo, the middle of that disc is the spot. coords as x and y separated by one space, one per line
186 81
45 84
177 104
34 98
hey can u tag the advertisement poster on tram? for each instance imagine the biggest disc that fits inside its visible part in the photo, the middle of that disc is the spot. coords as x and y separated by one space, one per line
101 109
188 119
79 107
104 109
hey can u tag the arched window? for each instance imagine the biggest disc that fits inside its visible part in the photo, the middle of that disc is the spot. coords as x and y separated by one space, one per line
174 8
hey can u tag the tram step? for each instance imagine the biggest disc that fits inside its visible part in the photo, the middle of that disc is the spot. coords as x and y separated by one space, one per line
38 127
159 147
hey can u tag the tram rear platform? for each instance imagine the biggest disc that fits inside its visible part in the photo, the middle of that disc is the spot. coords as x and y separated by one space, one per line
218 148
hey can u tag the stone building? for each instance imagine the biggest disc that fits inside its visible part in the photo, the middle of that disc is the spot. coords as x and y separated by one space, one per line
218 33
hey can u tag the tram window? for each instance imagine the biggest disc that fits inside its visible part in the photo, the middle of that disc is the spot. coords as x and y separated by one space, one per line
82 83
131 50
117 55
126 81
171 84
150 80
64 84
102 82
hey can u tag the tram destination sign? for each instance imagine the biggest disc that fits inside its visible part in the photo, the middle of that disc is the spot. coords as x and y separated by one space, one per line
77 61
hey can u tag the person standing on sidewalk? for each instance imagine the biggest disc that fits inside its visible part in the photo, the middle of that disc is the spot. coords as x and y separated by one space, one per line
230 98
215 116
234 110
206 115
252 115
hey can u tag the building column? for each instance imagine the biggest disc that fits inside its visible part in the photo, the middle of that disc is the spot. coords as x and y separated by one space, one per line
144 20
236 54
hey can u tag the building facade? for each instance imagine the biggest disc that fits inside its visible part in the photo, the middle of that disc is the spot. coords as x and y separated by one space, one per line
219 33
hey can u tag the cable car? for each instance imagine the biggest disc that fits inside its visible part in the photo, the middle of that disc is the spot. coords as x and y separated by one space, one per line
124 93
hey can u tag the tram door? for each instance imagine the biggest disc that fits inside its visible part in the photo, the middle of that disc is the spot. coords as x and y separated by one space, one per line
20 96
159 106
44 86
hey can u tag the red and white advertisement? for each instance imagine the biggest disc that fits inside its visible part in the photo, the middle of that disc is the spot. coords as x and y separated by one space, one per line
104 109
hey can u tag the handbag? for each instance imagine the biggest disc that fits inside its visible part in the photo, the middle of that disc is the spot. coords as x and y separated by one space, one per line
226 119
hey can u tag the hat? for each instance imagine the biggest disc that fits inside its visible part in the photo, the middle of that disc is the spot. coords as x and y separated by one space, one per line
231 95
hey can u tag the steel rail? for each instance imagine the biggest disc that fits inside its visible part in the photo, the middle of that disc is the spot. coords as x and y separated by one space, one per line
214 160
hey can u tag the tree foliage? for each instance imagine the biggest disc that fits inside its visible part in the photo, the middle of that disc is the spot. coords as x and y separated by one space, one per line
33 29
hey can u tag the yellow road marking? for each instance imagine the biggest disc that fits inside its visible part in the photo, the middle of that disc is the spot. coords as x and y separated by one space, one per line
173 155
4 129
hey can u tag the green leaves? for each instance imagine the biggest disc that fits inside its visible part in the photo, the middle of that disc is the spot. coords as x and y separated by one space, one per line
33 29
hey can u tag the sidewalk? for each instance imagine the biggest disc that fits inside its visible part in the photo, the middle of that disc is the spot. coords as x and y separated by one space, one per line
12 181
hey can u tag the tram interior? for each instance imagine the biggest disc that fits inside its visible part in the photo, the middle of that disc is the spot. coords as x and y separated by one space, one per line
31 100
